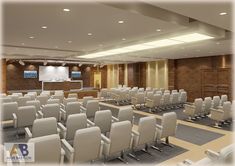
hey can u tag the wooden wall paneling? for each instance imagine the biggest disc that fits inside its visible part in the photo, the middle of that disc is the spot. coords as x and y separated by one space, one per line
171 74
3 76
209 82
121 69
104 76
130 75
143 74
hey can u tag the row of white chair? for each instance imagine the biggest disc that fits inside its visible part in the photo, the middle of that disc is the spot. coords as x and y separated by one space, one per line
90 144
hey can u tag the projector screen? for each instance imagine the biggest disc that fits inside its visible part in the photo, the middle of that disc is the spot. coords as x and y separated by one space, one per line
53 73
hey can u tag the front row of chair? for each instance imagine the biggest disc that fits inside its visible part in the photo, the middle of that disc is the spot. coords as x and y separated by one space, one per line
87 143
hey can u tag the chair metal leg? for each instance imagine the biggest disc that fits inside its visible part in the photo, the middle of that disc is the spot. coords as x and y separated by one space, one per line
146 150
156 148
167 143
132 155
122 159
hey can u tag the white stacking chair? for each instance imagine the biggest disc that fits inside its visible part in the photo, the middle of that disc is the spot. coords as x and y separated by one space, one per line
139 99
140 90
182 98
59 92
14 98
221 114
223 99
103 119
174 91
131 94
70 108
119 140
51 110
87 146
74 122
22 100
103 93
42 127
91 107
181 90
47 93
73 95
166 100
174 99
31 96
148 89
35 103
124 114
7 110
153 103
167 128
47 149
207 105
24 117
2 95
194 110
215 102
167 91
144 136
43 99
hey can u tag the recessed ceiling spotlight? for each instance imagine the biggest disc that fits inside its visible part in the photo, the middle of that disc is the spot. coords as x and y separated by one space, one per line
123 39
31 37
120 22
217 43
89 34
22 44
44 27
69 41
64 63
45 62
80 64
223 13
21 62
158 30
66 10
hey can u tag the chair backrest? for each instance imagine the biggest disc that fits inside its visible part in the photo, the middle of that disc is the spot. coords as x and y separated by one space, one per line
43 99
140 97
198 105
174 91
92 106
14 98
166 98
103 120
120 136
53 101
35 103
87 144
227 106
224 98
158 92
48 93
68 100
73 95
175 98
47 149
44 126
157 99
167 91
31 96
146 129
58 96
6 100
25 116
168 124
86 99
216 101
18 94
2 95
51 110
207 104
226 155
59 92
149 95
141 90
183 97
8 109
181 90
72 108
75 122
22 100
125 114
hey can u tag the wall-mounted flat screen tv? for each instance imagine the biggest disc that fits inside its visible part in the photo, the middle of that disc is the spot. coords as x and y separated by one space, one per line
76 74
30 74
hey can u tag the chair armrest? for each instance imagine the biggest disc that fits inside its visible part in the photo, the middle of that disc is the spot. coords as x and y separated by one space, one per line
105 139
188 162
82 109
63 112
14 120
136 133
115 119
159 127
62 129
212 155
69 150
28 133
40 114
101 148
62 153
90 123
220 107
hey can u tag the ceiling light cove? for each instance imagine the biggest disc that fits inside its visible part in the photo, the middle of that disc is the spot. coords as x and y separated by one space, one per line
66 10
223 13
150 45
158 30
